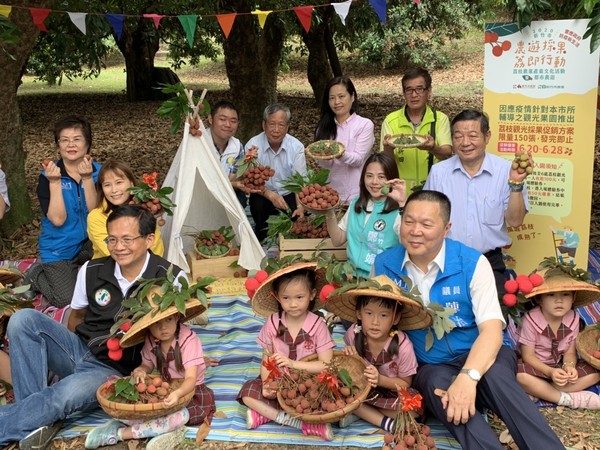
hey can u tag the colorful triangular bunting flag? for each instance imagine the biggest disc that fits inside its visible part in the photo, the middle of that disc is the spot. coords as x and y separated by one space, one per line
5 10
155 18
189 26
304 14
39 15
78 20
226 22
116 22
341 9
262 16
380 8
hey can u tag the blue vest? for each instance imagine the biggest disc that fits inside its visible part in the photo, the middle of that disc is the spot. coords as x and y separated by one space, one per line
450 289
367 240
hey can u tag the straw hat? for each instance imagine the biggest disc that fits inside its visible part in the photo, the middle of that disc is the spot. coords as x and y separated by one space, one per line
137 332
264 302
412 316
8 276
556 280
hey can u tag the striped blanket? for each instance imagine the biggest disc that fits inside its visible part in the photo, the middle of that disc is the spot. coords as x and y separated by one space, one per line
231 337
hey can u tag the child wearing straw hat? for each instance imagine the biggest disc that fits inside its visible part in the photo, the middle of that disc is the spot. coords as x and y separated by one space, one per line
549 368
175 351
379 316
292 332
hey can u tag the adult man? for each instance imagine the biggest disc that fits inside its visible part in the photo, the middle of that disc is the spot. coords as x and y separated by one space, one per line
224 121
78 355
416 116
283 153
485 192
468 368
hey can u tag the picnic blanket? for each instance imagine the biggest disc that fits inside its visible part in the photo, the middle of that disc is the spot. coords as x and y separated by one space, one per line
231 337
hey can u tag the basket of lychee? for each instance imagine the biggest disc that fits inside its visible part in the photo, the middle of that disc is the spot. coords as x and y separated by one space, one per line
123 398
214 243
324 397
252 174
588 345
408 434
150 197
313 190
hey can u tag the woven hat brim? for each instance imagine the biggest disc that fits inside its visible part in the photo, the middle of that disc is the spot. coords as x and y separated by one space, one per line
9 277
264 302
585 293
412 317
137 332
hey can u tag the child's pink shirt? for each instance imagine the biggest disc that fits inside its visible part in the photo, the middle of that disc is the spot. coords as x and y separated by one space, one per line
191 353
319 337
403 364
534 324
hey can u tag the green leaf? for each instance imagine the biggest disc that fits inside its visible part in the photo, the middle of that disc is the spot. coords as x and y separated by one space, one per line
428 340
345 377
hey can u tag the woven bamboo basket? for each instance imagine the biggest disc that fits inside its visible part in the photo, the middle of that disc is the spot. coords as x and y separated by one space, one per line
355 367
316 155
393 137
587 343
316 211
135 411
204 256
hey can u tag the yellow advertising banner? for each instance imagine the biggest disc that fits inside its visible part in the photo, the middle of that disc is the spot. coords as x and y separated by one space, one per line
540 91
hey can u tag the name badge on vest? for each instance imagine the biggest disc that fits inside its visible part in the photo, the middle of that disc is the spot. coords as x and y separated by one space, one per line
379 225
102 297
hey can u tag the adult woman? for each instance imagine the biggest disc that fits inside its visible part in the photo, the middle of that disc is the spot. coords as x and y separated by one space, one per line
372 222
67 192
340 122
114 179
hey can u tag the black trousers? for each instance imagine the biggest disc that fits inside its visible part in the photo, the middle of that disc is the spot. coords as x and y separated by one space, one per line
261 209
498 391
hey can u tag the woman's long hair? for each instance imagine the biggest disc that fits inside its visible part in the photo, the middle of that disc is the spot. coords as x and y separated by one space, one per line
390 169
327 128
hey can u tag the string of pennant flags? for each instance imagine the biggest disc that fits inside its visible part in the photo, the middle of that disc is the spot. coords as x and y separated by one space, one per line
189 21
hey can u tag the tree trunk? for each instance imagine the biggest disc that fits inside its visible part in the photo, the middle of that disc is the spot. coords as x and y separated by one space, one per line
318 69
334 60
252 61
12 155
139 44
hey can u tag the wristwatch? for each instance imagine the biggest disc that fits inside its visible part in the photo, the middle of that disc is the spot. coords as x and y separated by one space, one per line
472 373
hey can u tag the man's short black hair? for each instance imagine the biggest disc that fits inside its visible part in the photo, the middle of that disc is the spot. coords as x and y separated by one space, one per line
435 197
146 221
473 114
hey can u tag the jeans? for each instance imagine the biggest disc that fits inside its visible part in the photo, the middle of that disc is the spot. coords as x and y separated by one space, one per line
38 344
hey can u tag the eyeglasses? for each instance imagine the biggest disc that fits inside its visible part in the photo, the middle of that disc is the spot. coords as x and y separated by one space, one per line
126 241
418 90
76 140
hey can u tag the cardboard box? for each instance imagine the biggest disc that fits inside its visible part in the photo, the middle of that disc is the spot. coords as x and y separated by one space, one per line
214 267
306 247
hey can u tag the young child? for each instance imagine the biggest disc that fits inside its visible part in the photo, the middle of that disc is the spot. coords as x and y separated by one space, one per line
376 337
175 351
114 178
549 368
291 332
372 222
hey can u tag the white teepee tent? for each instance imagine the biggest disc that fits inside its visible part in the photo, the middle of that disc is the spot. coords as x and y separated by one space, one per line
205 201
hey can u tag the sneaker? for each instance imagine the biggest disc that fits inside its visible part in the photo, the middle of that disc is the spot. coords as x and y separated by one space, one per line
584 400
254 419
40 438
347 420
167 441
106 434
323 430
